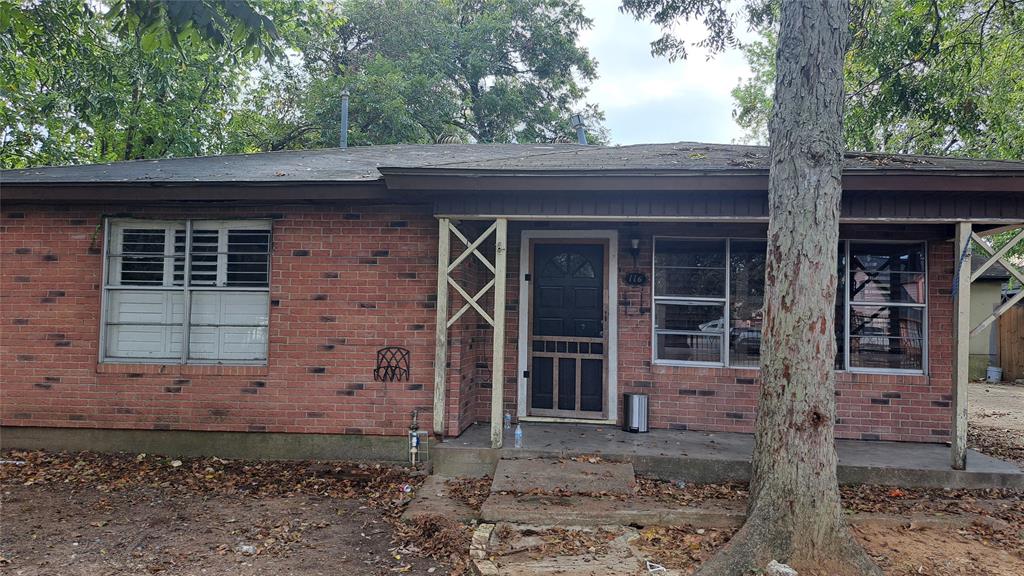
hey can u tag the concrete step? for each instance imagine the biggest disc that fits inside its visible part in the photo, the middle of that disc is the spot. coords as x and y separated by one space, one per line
558 476
433 500
547 510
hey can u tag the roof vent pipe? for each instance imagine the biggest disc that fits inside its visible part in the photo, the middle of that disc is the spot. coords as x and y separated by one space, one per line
343 140
577 122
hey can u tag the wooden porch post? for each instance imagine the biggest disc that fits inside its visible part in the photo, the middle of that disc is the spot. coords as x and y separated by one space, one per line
498 351
961 344
441 337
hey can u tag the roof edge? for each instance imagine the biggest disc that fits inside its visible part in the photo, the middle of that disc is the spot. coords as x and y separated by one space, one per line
469 180
144 192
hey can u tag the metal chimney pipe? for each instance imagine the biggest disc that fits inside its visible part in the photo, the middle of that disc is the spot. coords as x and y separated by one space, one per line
581 134
343 140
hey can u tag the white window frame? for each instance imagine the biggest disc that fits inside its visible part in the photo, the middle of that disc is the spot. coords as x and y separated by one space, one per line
690 301
727 301
848 304
111 280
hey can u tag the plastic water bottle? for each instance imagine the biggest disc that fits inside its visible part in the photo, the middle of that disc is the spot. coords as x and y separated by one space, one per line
519 436
508 420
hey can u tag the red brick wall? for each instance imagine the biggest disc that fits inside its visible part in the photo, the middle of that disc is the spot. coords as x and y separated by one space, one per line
903 407
345 282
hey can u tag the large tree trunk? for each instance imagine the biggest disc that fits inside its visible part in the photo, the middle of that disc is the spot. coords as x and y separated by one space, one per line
795 515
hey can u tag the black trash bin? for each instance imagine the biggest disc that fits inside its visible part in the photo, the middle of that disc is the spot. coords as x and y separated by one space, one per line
634 412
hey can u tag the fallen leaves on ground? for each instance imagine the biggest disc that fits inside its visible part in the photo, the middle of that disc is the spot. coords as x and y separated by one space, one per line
470 491
440 538
687 494
1000 443
548 542
383 486
681 547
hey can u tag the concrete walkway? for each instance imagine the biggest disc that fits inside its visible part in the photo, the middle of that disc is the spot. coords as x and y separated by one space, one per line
718 457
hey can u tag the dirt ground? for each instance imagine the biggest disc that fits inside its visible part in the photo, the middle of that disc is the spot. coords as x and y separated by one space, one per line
148 531
996 420
126 515
59 519
996 405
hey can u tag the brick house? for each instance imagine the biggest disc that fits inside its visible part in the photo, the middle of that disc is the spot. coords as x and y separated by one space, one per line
190 302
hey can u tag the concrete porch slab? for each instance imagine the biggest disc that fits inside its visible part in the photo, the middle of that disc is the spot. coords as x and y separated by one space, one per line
706 457
567 476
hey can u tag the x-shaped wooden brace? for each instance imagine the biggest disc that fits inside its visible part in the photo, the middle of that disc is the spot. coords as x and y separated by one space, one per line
472 248
998 256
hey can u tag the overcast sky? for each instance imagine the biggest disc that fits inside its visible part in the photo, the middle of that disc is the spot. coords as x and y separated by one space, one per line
648 99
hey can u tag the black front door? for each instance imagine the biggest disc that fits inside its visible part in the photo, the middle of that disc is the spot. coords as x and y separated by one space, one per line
568 344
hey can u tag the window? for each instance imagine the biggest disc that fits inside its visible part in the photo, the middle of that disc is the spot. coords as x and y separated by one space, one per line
709 301
187 291
746 301
689 300
886 302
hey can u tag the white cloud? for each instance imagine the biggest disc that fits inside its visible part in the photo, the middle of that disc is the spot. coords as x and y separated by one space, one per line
649 99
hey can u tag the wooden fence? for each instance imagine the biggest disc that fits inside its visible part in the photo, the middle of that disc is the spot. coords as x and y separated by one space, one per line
1011 343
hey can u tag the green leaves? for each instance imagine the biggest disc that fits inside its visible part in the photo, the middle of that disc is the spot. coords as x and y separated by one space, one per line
926 77
423 70
234 25
156 78
80 87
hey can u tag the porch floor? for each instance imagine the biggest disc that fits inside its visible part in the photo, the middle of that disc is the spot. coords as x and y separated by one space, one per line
717 456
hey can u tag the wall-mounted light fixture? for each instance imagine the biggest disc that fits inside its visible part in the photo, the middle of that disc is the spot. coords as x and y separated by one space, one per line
634 248
635 278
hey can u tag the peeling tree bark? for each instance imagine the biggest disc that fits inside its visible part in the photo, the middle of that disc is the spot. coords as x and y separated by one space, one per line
795 515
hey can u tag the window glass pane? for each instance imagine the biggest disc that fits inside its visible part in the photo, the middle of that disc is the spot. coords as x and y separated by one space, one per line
248 258
883 352
141 261
204 257
840 324
889 320
689 347
690 253
746 300
689 268
689 283
229 325
708 318
887 272
886 337
179 257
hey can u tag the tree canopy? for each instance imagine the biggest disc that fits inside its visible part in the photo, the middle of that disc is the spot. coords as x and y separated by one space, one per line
90 83
935 77
128 79
427 70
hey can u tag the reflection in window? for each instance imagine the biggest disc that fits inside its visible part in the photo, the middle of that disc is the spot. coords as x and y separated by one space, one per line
746 301
689 295
840 321
887 298
567 263
880 305
689 268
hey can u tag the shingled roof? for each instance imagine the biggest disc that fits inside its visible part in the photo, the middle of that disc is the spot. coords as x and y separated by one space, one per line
366 163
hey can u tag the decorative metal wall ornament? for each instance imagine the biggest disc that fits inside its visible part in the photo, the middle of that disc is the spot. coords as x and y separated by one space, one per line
392 364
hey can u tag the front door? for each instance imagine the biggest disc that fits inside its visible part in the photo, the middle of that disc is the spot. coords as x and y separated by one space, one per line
568 344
